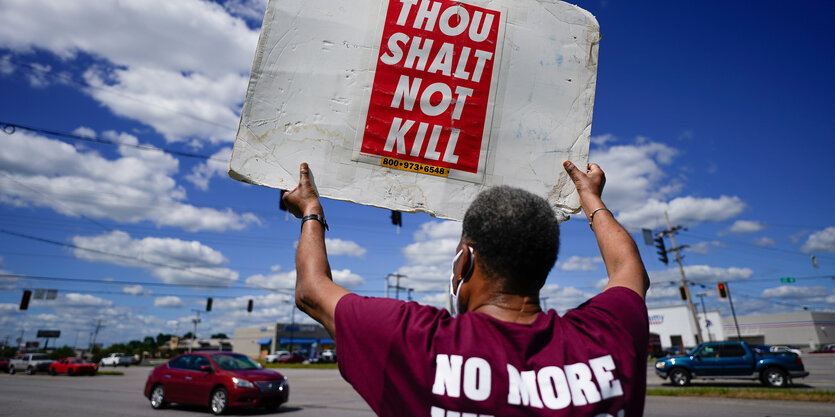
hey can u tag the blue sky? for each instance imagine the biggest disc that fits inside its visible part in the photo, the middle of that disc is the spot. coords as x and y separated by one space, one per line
717 112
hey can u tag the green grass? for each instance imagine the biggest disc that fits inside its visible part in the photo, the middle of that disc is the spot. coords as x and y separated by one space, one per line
783 394
302 366
111 373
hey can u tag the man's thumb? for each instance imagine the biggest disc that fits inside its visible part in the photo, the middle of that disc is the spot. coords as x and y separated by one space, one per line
570 169
304 170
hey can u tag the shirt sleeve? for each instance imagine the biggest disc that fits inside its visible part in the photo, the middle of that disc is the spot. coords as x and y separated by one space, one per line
365 327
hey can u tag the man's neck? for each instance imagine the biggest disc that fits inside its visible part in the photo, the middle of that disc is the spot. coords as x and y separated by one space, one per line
509 307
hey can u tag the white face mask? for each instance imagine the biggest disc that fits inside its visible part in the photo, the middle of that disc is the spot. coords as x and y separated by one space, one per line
453 295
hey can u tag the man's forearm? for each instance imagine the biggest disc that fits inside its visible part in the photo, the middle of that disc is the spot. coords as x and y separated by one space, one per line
618 249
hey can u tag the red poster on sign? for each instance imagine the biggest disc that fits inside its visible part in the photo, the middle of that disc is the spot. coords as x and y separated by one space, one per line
429 101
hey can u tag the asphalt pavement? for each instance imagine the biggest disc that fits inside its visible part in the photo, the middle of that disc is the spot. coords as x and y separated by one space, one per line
323 393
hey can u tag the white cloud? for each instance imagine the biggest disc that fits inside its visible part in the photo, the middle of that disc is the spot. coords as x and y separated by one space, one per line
704 248
602 140
764 242
136 290
186 57
794 292
287 280
438 230
687 210
248 9
218 165
137 186
168 302
638 187
85 300
338 247
821 241
170 260
745 226
702 274
346 278
578 263
561 298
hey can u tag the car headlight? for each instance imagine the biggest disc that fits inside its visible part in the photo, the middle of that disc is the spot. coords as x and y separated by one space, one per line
660 365
242 383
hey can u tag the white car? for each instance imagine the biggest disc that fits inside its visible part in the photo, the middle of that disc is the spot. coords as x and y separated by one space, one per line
778 349
274 357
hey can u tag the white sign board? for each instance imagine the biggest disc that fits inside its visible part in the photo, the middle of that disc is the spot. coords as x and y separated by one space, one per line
418 105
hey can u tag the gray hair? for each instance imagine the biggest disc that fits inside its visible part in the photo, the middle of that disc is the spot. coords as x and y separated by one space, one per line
517 236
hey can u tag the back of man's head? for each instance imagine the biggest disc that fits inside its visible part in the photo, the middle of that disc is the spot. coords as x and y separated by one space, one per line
516 235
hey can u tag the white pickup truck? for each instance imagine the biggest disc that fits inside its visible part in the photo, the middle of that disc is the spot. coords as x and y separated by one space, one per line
116 359
30 363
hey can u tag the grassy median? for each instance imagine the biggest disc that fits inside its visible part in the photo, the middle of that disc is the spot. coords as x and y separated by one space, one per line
782 394
110 373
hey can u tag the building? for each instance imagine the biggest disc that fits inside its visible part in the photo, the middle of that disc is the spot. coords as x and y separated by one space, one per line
674 327
805 329
259 341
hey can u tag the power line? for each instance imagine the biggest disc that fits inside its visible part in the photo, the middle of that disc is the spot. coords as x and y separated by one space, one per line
10 128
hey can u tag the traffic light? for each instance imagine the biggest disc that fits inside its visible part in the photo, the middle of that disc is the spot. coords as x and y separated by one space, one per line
24 301
396 218
723 290
249 306
683 292
662 250
209 304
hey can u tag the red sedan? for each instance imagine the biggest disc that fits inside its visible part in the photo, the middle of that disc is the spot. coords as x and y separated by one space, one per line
73 366
218 379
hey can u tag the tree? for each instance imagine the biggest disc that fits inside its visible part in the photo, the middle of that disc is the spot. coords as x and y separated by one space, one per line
187 335
220 336
62 352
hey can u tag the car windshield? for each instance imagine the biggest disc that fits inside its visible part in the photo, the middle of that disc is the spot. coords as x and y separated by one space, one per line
77 361
39 357
235 362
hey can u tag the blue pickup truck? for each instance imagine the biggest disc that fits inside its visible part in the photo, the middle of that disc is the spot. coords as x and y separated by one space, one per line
731 360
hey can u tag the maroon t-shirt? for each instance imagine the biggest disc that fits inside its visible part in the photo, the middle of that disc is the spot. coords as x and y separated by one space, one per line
406 359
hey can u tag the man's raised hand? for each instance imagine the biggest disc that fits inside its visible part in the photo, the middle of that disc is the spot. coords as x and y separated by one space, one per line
304 199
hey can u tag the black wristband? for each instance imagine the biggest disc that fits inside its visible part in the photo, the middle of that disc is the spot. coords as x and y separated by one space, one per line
321 220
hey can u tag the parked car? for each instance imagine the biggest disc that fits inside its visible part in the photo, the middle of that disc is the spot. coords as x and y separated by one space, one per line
328 355
4 364
116 359
220 380
292 358
732 360
273 357
30 363
777 349
826 349
73 366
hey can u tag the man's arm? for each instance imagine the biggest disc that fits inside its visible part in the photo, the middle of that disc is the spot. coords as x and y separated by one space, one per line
620 254
316 293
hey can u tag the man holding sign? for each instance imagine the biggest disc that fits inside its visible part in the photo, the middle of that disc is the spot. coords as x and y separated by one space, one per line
501 355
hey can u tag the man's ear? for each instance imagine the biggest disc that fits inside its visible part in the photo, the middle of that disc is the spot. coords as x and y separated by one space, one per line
466 263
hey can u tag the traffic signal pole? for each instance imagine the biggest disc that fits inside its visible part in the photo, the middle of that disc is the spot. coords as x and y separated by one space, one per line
731 300
670 231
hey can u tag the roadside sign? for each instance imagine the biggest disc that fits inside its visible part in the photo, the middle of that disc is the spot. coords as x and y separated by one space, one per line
787 280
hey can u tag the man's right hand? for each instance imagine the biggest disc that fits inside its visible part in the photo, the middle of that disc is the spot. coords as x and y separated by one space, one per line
304 199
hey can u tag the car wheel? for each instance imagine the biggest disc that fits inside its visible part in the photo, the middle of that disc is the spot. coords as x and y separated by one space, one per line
158 397
52 371
272 407
219 401
70 372
30 370
680 377
11 370
775 377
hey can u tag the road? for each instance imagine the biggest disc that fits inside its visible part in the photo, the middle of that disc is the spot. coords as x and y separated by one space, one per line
323 393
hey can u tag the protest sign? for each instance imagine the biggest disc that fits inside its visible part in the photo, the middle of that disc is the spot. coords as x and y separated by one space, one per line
417 105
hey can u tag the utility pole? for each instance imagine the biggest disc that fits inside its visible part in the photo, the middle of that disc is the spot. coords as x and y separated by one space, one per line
195 320
733 312
701 296
397 286
672 233
96 334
